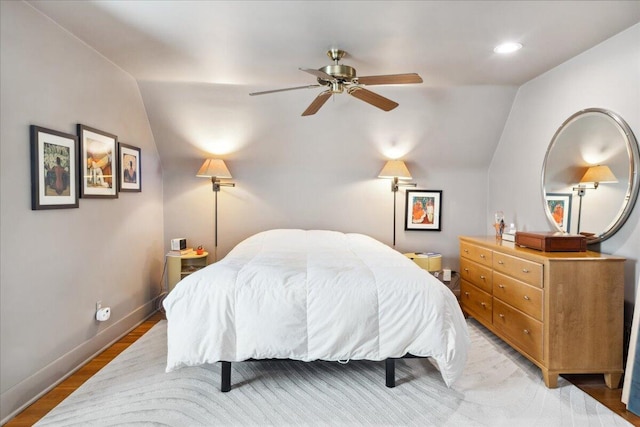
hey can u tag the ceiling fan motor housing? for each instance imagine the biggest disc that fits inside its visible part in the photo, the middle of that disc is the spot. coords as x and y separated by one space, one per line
344 73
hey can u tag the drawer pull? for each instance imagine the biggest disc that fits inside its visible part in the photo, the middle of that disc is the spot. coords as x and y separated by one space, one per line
482 277
500 262
466 293
466 251
501 316
527 297
482 256
484 305
501 286
526 331
524 270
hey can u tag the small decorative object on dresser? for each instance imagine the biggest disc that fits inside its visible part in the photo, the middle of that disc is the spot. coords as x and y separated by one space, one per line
510 233
562 310
554 241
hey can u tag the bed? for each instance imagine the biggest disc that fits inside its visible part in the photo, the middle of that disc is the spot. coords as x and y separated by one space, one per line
314 295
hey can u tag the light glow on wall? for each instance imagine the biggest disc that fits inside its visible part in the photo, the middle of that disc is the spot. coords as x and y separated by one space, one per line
218 147
394 150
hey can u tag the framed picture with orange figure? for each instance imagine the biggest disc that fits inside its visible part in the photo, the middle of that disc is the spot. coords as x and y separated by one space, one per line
423 210
559 206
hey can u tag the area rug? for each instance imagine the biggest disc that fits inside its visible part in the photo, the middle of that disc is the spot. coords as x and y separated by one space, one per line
498 388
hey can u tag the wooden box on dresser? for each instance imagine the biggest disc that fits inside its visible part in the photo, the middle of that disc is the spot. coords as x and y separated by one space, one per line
561 310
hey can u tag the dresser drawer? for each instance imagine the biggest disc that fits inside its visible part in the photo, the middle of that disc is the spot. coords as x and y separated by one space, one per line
518 294
528 271
476 253
476 302
524 331
477 274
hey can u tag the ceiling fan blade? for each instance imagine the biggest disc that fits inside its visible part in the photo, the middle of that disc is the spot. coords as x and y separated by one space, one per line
317 103
320 74
373 98
390 79
284 90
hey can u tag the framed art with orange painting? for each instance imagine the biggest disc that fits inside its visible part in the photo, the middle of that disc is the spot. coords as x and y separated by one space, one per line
423 210
559 205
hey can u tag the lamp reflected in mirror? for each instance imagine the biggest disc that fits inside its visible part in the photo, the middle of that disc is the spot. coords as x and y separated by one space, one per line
595 175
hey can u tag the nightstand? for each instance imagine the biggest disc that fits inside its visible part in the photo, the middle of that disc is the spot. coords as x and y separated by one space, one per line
429 261
432 262
179 267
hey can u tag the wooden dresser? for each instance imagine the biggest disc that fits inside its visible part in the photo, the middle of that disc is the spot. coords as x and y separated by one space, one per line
562 310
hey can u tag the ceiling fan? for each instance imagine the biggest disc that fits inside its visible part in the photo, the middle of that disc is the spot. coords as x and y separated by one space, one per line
338 77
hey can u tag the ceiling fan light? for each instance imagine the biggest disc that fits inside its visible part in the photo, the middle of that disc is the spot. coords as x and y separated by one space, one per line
508 47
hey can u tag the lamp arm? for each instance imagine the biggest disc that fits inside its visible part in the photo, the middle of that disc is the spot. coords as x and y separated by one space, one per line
216 183
395 184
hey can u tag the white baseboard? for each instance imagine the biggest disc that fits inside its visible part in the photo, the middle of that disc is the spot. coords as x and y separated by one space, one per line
19 397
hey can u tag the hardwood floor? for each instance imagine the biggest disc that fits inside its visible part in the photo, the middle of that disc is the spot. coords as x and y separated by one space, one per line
590 384
46 403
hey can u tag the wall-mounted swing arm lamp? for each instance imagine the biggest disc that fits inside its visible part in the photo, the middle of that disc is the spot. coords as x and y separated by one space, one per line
215 169
595 175
396 170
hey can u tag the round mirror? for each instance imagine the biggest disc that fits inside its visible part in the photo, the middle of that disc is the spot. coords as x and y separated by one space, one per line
590 175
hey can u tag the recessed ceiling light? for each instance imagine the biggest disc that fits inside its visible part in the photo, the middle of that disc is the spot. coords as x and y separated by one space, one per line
507 47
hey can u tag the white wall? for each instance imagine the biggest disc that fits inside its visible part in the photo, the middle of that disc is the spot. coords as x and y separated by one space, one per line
606 76
55 264
321 171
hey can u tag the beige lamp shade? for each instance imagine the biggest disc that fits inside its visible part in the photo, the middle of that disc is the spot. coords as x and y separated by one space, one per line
598 174
214 168
395 169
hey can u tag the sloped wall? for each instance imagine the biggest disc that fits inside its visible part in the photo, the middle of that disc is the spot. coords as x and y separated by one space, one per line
56 264
606 76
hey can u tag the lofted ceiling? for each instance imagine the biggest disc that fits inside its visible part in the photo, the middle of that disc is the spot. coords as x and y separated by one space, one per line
261 44
197 61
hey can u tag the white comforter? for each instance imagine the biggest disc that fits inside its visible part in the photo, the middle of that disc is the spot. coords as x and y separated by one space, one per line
310 295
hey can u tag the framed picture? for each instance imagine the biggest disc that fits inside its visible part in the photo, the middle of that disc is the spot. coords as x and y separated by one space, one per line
559 205
130 176
54 162
98 163
423 210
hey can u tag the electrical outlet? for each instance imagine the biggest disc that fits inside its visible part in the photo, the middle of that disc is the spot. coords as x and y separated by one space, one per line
446 275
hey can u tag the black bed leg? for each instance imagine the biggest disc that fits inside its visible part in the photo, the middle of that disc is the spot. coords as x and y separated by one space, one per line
390 365
225 377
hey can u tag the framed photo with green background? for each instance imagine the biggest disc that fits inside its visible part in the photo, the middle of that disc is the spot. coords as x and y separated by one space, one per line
423 210
98 163
130 176
54 175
